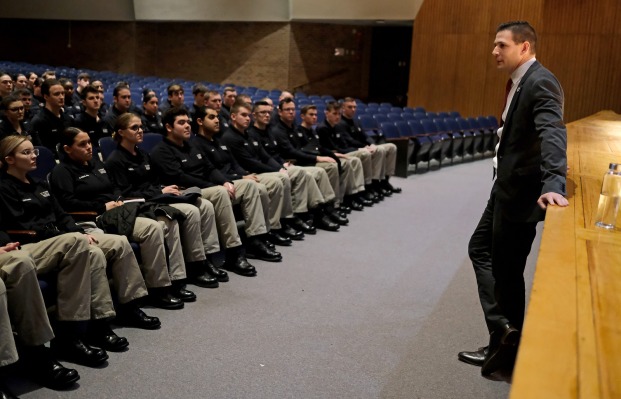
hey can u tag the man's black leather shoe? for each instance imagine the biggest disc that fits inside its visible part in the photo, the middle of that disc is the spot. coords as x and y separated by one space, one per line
302 226
43 367
476 358
324 222
164 300
256 249
355 204
101 335
216 272
292 233
386 185
503 344
337 218
75 350
130 315
278 239
344 208
179 291
240 265
368 195
201 279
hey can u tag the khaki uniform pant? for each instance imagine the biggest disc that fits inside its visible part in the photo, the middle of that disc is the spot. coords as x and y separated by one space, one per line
332 170
126 275
352 179
209 230
82 287
320 189
149 234
246 194
21 305
275 191
388 154
367 164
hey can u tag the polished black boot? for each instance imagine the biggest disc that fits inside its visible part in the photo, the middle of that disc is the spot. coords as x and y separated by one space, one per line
323 221
365 198
77 351
216 272
352 202
275 237
301 225
256 249
162 298
386 184
199 275
100 335
41 365
335 216
236 262
130 315
179 290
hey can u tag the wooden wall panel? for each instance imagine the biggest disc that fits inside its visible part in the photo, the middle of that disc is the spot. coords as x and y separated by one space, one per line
579 42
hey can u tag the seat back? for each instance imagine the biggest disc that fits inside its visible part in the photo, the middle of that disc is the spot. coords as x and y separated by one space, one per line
389 130
106 146
404 128
149 141
45 163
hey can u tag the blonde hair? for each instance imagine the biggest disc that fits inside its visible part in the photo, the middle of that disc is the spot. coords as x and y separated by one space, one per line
8 145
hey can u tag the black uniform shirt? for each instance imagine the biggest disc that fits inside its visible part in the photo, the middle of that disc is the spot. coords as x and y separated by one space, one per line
331 139
290 143
133 174
95 129
220 156
49 128
249 152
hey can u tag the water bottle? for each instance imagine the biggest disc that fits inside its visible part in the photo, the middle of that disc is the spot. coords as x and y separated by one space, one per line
609 198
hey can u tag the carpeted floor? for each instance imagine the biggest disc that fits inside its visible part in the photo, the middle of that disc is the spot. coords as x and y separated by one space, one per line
377 310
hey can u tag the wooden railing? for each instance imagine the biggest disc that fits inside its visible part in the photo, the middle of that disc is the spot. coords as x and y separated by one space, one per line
571 343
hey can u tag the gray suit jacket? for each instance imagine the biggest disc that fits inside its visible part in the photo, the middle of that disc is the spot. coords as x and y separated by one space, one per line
532 156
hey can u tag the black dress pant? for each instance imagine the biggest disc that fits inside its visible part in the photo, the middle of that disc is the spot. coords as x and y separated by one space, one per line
498 250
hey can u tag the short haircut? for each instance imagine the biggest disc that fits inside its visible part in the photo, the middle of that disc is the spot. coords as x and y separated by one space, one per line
201 112
89 89
333 106
228 89
349 100
174 88
307 108
522 32
84 75
240 104
65 81
23 92
199 89
259 103
47 83
172 113
286 100
118 88
213 93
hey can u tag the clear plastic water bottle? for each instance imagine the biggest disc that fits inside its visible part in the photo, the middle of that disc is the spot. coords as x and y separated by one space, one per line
609 198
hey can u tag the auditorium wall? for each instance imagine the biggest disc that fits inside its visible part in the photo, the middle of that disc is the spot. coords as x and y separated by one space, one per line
288 55
452 67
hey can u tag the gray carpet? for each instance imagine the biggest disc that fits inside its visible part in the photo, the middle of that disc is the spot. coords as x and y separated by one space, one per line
378 310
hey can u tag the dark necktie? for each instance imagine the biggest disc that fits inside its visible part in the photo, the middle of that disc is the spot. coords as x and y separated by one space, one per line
504 105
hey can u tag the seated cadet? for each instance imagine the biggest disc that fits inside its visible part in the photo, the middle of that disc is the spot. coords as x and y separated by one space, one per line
51 120
252 156
72 106
351 179
122 99
80 183
49 74
88 120
31 76
229 95
199 92
151 119
30 108
176 98
130 170
22 306
12 119
6 84
221 158
36 93
213 100
20 82
103 107
383 156
177 162
60 247
326 174
332 140
83 80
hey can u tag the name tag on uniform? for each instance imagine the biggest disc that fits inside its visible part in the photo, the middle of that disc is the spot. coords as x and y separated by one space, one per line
337 135
300 134
26 199
223 147
255 143
147 167
199 156
45 193
83 177
184 160
130 169
102 171
245 143
275 143
317 137
104 131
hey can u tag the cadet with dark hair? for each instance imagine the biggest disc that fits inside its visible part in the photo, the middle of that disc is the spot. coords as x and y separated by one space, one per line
88 120
51 120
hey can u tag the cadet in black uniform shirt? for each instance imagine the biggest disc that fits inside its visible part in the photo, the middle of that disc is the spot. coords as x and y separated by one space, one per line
151 119
12 119
88 120
50 122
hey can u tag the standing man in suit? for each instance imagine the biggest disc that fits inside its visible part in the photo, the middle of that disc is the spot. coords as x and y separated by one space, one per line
530 167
